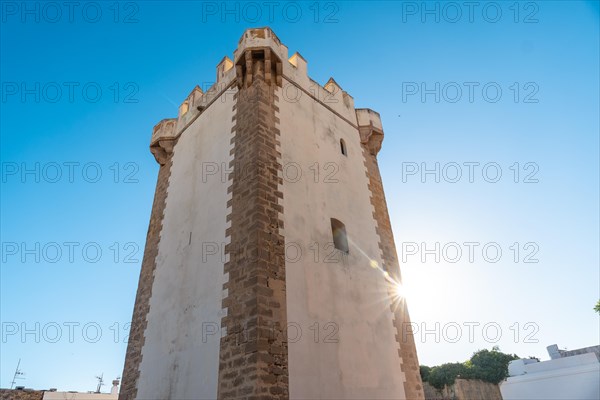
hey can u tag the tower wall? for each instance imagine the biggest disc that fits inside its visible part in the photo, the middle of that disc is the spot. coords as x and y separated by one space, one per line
179 358
347 348
242 294
413 385
133 356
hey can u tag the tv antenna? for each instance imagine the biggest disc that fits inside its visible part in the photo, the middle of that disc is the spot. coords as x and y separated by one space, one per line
100 382
18 375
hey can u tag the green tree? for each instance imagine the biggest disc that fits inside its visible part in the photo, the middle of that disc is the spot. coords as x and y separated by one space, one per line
425 371
487 365
446 374
597 307
490 366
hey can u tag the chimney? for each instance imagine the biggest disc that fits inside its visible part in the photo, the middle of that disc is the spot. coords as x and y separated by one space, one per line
115 387
554 352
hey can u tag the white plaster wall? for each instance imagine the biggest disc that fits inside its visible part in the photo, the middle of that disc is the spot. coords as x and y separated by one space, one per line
574 377
79 396
187 293
361 359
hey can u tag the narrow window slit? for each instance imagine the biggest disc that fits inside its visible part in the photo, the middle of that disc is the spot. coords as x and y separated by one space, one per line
340 239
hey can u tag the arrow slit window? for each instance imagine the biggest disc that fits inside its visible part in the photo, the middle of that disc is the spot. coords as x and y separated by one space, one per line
340 239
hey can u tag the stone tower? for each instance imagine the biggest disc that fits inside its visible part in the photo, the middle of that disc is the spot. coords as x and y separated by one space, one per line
270 270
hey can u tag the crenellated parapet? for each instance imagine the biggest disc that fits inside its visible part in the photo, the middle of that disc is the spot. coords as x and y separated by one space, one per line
259 52
370 129
223 67
260 38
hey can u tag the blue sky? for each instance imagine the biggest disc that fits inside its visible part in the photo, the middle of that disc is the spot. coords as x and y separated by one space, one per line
383 54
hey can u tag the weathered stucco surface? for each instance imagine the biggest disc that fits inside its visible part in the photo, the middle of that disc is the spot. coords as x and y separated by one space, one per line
354 354
181 351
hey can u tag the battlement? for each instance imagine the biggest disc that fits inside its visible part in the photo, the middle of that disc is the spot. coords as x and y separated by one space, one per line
223 67
260 38
164 130
368 117
291 74
163 139
370 129
194 96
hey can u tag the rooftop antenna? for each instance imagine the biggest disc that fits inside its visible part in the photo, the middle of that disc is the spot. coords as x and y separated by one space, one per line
100 382
18 375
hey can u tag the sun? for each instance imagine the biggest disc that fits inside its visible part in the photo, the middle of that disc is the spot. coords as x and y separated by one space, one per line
399 290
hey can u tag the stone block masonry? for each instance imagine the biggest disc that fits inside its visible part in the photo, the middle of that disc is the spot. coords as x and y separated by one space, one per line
253 356
413 385
133 357
12 394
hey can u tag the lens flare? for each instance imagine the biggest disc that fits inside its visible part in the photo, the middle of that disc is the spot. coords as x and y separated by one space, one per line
399 290
395 289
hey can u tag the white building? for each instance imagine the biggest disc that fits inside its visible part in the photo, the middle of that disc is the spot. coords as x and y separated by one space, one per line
56 395
79 396
567 375
21 393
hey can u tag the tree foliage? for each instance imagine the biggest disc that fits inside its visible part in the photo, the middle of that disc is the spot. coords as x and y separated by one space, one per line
491 366
425 370
597 307
487 365
446 374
